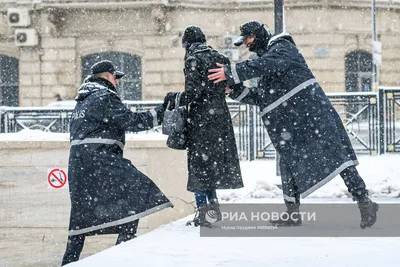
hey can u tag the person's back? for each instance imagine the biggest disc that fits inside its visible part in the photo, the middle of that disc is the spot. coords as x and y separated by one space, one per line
213 161
204 96
205 58
210 124
281 67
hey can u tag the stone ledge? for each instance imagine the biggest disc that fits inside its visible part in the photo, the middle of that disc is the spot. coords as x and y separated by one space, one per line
132 141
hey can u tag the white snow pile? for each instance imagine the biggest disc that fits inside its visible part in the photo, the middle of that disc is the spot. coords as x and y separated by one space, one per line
380 173
34 135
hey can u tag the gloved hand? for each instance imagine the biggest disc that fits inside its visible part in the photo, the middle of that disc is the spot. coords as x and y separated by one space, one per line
169 98
236 86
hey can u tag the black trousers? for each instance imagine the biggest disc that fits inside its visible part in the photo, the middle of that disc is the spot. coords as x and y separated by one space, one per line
352 179
75 242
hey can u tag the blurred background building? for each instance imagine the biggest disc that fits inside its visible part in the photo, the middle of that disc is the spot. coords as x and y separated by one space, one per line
48 46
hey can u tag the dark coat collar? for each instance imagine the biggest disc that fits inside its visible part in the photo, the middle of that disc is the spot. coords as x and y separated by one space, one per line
92 84
274 40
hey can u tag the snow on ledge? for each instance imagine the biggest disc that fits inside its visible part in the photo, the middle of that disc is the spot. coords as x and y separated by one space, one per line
38 135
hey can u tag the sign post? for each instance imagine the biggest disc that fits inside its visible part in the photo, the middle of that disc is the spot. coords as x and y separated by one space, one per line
376 51
279 28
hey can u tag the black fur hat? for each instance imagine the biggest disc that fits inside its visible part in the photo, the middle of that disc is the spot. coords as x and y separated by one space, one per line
192 34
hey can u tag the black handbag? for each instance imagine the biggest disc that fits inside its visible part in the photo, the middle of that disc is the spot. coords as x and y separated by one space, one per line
177 140
174 125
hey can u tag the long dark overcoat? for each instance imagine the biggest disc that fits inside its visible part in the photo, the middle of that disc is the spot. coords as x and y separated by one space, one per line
107 191
213 161
304 127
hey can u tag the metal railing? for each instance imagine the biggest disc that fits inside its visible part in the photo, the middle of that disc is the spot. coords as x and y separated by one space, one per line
389 119
359 113
372 121
54 119
57 119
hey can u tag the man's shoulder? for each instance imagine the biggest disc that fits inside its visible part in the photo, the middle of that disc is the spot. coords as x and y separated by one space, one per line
192 62
282 47
205 58
96 90
88 85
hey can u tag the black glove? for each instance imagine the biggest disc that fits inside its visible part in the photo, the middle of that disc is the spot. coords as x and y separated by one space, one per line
169 98
236 86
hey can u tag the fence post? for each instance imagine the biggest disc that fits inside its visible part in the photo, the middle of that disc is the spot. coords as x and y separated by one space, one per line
2 112
251 132
381 121
279 15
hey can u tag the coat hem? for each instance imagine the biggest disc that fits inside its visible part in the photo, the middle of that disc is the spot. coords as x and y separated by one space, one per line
120 221
329 177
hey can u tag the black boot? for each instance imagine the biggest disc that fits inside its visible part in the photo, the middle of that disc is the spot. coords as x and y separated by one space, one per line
214 209
200 218
293 217
356 187
368 210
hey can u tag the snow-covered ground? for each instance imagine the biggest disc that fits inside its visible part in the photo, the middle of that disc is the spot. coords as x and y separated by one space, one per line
178 245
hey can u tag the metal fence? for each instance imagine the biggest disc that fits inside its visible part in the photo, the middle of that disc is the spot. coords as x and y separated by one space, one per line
389 118
372 121
359 113
54 119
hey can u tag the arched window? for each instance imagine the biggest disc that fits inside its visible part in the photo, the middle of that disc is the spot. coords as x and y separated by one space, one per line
358 67
130 86
9 78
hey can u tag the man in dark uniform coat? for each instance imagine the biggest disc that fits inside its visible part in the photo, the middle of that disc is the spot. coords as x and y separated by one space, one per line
108 194
304 127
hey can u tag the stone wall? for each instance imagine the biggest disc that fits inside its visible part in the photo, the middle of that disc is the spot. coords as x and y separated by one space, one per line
34 218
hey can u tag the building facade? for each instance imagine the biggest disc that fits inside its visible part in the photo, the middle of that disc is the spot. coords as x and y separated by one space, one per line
143 38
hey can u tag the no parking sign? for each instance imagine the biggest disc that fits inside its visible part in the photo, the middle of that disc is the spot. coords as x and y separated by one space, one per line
57 178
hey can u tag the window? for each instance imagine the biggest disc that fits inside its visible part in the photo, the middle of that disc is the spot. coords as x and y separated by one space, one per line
130 86
9 77
358 67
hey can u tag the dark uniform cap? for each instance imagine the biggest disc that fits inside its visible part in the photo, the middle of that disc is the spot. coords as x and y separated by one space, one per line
192 34
246 30
106 66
